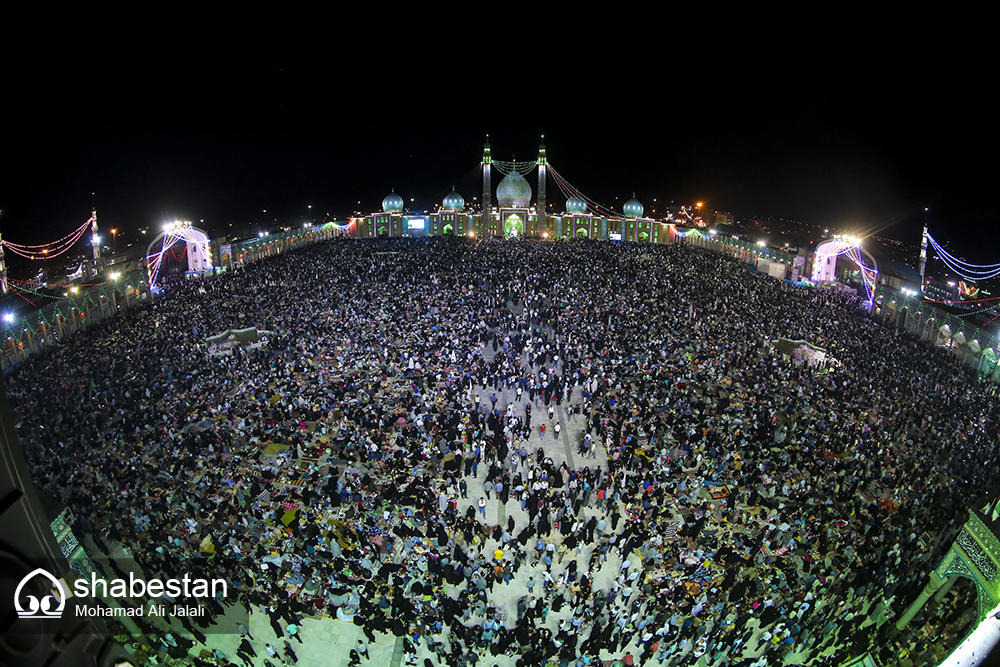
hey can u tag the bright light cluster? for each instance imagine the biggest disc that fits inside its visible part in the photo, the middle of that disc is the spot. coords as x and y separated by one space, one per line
847 238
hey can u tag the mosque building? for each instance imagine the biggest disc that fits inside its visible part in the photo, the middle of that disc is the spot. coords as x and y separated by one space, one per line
517 211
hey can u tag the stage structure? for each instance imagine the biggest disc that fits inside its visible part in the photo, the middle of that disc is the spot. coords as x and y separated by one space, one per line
197 249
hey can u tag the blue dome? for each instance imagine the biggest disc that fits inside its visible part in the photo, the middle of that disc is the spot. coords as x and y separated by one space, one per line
453 202
393 203
576 205
632 208
514 191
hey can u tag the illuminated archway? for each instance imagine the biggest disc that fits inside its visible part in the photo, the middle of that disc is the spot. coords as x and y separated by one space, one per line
197 249
825 262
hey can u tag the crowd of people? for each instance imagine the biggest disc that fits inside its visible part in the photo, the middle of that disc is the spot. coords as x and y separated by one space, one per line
522 452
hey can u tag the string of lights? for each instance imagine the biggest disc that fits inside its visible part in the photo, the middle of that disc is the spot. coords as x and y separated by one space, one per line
867 274
958 260
35 282
34 292
568 190
975 312
522 168
156 259
48 250
971 301
76 232
967 270
17 292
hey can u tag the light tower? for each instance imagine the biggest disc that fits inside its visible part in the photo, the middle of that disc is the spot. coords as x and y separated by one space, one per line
487 161
540 218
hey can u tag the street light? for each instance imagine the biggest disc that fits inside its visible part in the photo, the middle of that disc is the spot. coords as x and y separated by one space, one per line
114 236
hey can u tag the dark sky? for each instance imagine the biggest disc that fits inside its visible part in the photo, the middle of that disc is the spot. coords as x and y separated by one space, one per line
865 144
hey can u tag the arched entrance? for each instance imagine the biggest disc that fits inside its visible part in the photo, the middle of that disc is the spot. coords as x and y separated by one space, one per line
196 251
513 225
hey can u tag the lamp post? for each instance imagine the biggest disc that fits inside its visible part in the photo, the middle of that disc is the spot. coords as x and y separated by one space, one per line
114 241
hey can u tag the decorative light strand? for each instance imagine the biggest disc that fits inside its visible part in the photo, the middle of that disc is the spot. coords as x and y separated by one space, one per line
967 270
867 275
75 232
35 282
975 312
17 292
521 167
50 249
46 253
568 190
962 262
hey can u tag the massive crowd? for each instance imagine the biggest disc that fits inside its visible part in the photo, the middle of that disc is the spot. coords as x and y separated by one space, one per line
544 453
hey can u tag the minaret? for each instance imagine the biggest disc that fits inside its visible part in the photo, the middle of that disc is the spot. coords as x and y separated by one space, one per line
542 169
96 240
487 161
923 253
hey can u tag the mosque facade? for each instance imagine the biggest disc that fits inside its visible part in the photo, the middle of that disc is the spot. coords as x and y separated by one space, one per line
514 209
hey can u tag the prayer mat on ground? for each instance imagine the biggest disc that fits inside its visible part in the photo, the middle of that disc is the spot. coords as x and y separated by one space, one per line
670 529
719 492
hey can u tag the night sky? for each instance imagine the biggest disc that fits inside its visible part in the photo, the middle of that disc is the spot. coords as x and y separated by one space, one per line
866 145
